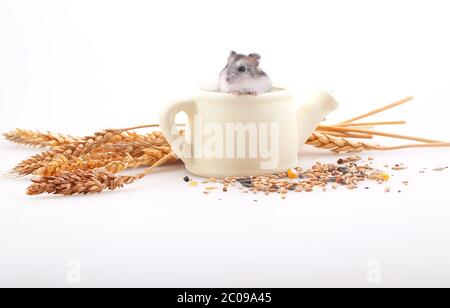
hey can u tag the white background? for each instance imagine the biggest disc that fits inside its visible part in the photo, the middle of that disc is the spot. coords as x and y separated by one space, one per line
79 66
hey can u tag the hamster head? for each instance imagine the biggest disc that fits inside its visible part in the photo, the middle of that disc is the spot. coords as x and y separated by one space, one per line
240 67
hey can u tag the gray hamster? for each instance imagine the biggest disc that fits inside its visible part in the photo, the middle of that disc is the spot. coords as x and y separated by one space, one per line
242 75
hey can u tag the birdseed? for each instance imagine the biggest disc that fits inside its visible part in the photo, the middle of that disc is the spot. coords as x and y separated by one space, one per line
349 172
440 169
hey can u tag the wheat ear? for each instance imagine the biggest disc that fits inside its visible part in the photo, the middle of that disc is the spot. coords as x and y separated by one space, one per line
88 181
343 145
39 139
119 146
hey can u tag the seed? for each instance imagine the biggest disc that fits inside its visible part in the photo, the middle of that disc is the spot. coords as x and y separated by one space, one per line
351 186
225 189
334 186
193 184
387 189
343 169
292 174
439 169
331 179
399 167
354 158
186 179
384 176
211 188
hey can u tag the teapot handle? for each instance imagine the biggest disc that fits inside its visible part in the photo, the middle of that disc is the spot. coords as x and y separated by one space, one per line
180 146
316 107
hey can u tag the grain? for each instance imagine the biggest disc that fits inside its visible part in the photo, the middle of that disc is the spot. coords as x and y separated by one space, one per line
439 169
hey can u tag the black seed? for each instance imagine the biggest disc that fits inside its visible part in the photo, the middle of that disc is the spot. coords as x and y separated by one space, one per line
186 179
246 182
343 169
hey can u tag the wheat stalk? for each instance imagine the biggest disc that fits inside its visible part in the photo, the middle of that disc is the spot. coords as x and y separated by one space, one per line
39 139
87 181
100 153
343 145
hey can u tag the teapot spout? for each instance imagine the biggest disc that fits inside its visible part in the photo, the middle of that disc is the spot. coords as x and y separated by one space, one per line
316 107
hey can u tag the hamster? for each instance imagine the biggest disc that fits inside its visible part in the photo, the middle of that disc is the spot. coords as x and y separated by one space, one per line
242 75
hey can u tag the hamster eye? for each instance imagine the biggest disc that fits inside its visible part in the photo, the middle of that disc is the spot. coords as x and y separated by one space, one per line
242 69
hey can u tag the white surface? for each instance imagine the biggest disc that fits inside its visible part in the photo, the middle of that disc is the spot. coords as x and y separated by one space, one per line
78 66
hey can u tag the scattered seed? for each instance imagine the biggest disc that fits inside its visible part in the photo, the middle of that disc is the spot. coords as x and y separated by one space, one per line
384 176
193 184
397 167
354 158
187 179
387 189
292 174
211 188
440 169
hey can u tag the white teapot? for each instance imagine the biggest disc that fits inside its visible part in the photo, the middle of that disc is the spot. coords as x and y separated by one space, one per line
243 135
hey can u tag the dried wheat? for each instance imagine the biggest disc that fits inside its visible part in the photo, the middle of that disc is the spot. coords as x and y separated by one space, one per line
337 144
123 144
39 139
87 181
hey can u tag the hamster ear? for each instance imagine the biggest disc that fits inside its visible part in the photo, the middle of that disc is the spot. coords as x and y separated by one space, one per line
233 54
255 58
